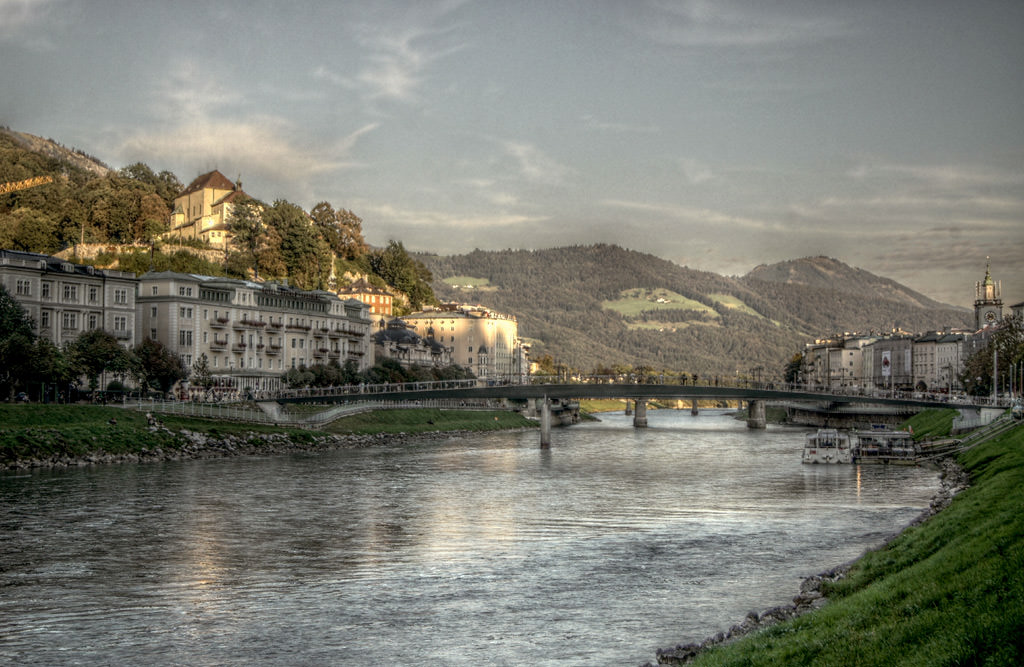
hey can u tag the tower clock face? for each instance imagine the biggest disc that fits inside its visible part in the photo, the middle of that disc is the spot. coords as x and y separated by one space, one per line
990 316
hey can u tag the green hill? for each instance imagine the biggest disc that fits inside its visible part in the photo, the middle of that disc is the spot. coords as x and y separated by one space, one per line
597 306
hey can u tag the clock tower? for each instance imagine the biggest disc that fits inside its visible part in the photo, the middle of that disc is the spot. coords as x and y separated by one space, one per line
988 307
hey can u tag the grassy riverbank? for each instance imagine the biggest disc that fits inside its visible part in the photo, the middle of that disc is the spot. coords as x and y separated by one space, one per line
46 432
949 591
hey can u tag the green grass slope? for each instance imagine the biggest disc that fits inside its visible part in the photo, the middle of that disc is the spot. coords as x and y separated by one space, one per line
949 591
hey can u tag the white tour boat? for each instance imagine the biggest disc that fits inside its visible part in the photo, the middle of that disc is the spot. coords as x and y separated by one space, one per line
827 445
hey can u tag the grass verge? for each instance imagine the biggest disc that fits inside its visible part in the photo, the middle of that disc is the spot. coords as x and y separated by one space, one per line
949 591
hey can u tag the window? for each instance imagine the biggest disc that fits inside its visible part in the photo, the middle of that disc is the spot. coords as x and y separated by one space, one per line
45 290
71 293
69 320
206 337
121 296
152 312
93 295
185 337
24 287
93 320
206 314
155 290
152 334
121 323
44 319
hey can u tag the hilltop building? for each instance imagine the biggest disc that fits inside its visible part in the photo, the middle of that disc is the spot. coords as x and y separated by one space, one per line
480 339
65 299
251 333
202 210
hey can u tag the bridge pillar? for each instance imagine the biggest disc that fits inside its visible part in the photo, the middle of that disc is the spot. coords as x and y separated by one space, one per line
545 424
755 415
629 408
693 408
640 417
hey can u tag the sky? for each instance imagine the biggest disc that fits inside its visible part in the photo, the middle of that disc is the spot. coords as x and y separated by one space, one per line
718 135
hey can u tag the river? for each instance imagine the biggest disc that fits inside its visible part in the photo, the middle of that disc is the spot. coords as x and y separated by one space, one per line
483 549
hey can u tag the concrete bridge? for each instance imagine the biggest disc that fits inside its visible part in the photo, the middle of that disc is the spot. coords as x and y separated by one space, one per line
543 396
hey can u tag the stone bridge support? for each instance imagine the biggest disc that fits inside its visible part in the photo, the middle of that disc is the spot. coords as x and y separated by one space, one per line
755 414
640 414
693 408
629 408
545 424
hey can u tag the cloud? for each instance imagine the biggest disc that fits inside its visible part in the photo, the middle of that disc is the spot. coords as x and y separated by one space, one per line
397 53
19 18
591 122
205 118
703 23
697 216
394 216
533 164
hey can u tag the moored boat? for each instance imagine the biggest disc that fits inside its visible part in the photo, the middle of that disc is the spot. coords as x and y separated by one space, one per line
827 445
884 446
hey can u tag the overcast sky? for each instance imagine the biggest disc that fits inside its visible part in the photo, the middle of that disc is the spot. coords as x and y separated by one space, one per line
718 135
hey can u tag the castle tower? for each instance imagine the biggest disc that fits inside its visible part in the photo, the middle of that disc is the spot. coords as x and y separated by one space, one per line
988 306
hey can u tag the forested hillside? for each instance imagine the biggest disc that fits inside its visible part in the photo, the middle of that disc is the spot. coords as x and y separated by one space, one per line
602 305
120 215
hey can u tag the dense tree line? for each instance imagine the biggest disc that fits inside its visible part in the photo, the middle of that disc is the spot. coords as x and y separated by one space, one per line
386 370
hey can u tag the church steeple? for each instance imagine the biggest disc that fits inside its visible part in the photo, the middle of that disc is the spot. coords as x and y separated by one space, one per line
988 307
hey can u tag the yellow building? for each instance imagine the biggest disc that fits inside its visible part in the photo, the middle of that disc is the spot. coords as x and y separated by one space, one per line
203 209
485 341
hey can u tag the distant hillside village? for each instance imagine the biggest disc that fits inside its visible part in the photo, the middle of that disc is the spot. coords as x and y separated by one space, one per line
905 362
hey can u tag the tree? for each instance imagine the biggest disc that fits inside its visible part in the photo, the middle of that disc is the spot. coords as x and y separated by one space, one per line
97 351
246 225
404 273
158 367
1006 348
306 256
341 229
792 370
16 339
201 374
48 365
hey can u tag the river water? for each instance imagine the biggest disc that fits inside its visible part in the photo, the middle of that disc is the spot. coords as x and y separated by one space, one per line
482 549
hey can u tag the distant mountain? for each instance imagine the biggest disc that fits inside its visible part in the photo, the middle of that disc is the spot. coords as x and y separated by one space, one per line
831 274
602 305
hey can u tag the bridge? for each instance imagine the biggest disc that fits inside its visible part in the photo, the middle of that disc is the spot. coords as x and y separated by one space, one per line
756 395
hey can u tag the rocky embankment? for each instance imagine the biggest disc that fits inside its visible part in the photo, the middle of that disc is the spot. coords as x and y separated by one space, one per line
185 445
811 596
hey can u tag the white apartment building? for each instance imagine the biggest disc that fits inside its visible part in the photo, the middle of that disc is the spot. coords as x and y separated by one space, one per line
251 333
65 299
485 341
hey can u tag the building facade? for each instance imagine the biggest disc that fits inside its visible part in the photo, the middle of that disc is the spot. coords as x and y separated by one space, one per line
396 340
251 333
65 299
482 340
202 211
378 299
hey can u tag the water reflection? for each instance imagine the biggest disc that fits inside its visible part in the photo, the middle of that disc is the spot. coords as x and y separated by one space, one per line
477 550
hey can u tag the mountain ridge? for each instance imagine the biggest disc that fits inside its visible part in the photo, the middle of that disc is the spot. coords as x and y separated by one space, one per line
599 305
